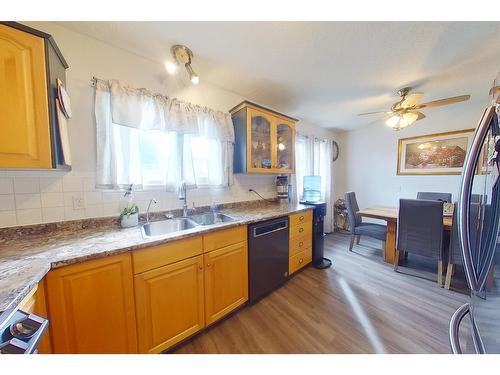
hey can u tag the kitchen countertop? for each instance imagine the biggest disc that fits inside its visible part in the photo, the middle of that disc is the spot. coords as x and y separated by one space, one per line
25 258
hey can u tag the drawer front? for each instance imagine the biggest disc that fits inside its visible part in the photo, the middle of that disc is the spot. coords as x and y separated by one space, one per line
161 255
301 230
299 243
225 237
299 260
300 217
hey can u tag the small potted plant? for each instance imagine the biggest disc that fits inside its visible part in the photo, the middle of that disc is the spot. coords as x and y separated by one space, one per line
129 217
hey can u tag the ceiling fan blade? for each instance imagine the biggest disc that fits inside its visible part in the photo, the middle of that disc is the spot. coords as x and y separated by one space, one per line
446 101
373 113
411 100
420 115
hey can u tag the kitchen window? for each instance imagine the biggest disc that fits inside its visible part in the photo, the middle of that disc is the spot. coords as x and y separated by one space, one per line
152 141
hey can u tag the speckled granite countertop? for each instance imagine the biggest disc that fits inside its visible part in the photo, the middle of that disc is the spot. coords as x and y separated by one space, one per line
28 253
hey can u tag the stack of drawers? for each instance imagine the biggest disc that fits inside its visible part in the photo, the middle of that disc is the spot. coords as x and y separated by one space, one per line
300 251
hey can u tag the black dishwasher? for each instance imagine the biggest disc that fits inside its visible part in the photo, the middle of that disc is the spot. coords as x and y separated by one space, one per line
267 256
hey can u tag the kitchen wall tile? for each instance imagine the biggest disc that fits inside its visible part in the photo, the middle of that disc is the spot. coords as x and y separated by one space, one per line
72 183
6 186
89 184
31 216
27 201
111 209
112 196
92 197
8 219
94 210
7 202
51 184
52 199
52 214
26 185
71 214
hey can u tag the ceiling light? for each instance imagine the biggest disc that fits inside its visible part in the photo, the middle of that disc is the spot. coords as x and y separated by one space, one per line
393 121
171 67
407 119
192 75
184 56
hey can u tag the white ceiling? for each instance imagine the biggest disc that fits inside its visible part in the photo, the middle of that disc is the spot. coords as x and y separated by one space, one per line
324 72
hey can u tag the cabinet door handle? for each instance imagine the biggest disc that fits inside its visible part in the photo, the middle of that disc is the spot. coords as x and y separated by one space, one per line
301 230
208 265
200 267
301 243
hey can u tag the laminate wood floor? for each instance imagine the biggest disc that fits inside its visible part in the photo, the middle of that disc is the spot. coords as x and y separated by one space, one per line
360 305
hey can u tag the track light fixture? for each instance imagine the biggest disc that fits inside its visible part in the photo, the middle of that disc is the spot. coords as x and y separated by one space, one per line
181 55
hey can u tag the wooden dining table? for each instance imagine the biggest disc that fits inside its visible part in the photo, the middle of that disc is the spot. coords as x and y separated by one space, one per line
390 215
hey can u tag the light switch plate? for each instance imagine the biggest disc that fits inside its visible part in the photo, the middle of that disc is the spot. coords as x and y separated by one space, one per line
78 202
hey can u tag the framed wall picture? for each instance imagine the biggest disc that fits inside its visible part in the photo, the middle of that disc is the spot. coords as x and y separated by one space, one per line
440 153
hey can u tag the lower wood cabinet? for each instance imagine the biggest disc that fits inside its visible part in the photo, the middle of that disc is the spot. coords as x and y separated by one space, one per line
91 306
169 304
226 280
300 241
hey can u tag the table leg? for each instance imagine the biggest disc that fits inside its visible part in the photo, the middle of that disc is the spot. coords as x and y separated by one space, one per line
390 242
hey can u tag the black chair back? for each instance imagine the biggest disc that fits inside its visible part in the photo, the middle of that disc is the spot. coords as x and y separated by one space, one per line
432 196
352 210
478 221
420 227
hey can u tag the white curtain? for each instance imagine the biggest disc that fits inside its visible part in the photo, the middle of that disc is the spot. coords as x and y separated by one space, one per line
323 155
303 162
150 140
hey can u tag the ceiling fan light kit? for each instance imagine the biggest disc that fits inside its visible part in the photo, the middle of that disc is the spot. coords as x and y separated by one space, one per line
182 55
405 112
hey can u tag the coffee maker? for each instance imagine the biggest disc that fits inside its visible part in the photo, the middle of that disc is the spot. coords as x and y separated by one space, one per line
282 188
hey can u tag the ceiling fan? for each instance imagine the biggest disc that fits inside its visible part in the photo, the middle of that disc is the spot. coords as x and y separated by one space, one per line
406 111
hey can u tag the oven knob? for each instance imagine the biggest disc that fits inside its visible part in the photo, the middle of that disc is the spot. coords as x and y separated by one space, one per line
26 327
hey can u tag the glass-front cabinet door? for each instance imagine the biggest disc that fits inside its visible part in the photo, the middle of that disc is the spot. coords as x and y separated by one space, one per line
284 146
259 147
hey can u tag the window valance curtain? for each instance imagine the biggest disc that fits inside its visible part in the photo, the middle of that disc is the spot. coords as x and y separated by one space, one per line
141 109
149 139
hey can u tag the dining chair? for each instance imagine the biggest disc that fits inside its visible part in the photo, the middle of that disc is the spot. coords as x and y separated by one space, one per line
429 195
420 231
476 216
357 227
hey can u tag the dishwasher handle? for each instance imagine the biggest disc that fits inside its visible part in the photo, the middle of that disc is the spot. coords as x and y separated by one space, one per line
267 228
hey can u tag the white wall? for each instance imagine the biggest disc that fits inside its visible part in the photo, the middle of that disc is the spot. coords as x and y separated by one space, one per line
29 197
368 158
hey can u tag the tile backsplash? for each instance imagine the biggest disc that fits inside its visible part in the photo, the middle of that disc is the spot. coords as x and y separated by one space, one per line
32 197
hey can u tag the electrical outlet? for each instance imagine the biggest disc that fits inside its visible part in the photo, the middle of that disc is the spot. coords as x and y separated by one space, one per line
78 202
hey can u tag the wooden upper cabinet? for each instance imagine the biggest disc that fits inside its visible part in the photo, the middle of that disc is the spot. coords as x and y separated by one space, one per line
169 303
91 306
24 111
30 63
264 140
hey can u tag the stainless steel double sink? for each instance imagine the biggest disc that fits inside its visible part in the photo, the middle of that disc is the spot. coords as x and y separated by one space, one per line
160 228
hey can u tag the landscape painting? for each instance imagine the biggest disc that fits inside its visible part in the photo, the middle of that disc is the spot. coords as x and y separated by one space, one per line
442 153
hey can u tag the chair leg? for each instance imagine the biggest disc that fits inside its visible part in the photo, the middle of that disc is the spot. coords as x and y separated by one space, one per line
440 273
396 260
352 242
358 237
449 273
